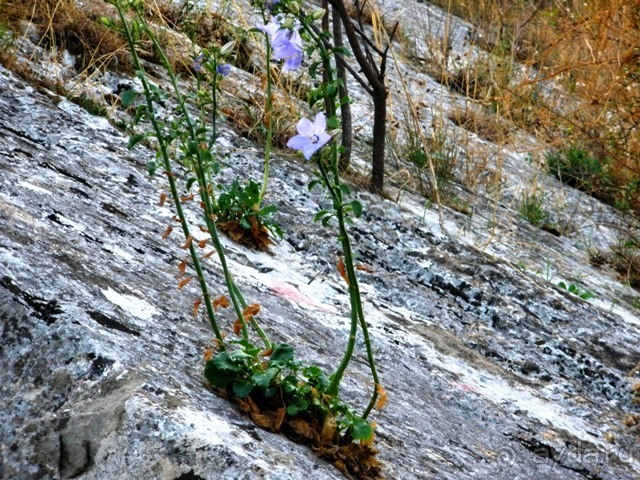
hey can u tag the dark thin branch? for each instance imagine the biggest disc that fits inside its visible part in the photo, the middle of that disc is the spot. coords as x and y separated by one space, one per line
368 70
341 58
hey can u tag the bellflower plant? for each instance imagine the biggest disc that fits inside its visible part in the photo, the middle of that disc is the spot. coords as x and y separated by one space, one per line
278 391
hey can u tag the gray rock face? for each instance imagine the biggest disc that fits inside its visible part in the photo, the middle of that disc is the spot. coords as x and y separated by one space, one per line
489 374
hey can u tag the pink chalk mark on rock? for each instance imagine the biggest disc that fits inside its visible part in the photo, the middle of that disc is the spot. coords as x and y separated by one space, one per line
291 293
465 387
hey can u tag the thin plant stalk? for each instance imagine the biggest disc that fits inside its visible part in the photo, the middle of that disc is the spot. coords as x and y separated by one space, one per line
268 120
204 196
357 311
172 183
214 101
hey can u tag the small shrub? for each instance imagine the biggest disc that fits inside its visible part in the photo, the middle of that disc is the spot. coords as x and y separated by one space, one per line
626 260
580 169
532 209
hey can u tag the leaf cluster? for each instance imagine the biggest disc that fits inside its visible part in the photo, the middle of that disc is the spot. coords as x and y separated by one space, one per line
241 203
282 381
575 290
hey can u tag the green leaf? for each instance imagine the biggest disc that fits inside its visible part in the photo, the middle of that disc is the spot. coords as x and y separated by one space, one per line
128 97
316 376
271 209
244 223
190 183
320 214
361 429
282 353
357 208
224 362
263 380
216 376
313 184
242 388
298 405
563 285
135 139
238 356
152 167
192 147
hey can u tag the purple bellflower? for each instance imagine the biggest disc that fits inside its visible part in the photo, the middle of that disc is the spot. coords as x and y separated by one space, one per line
223 70
312 136
286 43
199 60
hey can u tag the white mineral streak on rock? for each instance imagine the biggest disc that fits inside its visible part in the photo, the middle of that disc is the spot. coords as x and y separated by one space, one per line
133 305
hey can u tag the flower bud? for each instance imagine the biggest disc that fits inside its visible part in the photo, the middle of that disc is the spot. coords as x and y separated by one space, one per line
107 22
294 8
288 23
318 14
227 48
335 134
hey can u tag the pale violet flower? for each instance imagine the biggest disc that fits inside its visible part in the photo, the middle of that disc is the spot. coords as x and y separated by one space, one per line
286 43
312 136
223 70
199 60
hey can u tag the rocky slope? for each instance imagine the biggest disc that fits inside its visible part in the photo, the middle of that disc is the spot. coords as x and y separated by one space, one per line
491 372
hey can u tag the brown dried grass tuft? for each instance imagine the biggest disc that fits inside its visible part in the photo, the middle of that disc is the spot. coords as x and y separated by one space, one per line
63 24
580 84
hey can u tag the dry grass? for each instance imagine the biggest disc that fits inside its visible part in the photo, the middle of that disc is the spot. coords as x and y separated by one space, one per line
578 84
62 24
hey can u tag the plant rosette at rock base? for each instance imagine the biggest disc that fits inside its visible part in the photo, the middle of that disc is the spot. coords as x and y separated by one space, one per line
282 395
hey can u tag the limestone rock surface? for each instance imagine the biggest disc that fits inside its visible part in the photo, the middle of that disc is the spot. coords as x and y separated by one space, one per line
489 374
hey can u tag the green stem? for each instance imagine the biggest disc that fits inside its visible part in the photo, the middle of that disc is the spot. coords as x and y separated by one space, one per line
172 183
336 378
214 100
268 111
357 311
202 180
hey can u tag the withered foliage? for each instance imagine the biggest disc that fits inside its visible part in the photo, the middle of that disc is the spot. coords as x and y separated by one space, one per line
257 237
356 460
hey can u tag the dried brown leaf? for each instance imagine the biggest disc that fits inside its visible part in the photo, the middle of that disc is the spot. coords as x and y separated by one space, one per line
343 271
329 429
188 242
167 232
382 398
251 311
182 268
196 306
163 198
302 428
365 268
208 354
279 420
183 282
237 326
222 302
202 243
